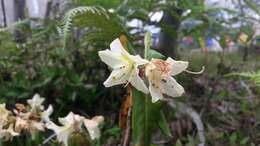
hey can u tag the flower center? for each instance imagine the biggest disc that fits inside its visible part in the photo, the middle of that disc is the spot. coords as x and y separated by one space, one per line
162 66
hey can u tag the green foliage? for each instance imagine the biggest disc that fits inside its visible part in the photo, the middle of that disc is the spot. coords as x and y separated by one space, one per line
252 76
99 25
146 117
104 3
163 124
154 54
253 6
142 119
79 139
76 12
61 63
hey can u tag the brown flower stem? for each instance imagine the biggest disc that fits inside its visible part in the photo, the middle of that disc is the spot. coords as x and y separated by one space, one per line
127 133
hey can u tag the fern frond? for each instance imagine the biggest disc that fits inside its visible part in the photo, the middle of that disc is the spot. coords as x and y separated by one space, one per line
73 13
252 76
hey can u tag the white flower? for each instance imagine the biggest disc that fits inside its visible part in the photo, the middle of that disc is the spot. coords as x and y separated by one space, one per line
124 65
159 73
8 134
92 126
71 123
4 113
21 124
45 115
32 122
36 103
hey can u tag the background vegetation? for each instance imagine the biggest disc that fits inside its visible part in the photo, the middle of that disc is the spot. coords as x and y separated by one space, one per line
57 58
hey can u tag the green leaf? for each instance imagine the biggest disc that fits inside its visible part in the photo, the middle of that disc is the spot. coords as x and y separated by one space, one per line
162 122
233 138
75 78
145 118
222 42
154 54
139 116
244 141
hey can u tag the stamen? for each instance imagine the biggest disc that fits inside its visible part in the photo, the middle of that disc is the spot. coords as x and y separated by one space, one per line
164 80
196 73
127 82
130 78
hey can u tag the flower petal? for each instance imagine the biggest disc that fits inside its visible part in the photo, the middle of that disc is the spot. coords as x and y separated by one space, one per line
61 132
117 77
138 60
112 59
170 87
37 125
177 66
137 82
45 115
155 92
92 127
8 134
36 102
68 120
3 114
117 47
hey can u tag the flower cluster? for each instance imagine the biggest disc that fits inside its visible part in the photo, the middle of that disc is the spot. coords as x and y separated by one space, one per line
73 123
35 117
158 72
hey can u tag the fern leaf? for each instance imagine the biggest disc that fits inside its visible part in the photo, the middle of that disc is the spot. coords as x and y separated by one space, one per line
73 13
252 76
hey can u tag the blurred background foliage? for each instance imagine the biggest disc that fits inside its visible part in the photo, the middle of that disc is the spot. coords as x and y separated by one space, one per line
56 56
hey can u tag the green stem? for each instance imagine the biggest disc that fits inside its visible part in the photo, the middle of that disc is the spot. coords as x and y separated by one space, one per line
147 44
146 132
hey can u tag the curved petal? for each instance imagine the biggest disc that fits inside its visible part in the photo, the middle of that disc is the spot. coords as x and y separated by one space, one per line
177 66
138 60
36 102
117 47
92 127
62 133
63 136
137 82
112 59
117 77
155 92
68 120
170 87
45 115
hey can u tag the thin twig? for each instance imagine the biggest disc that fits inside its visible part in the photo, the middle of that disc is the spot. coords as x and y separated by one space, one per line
47 140
127 134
